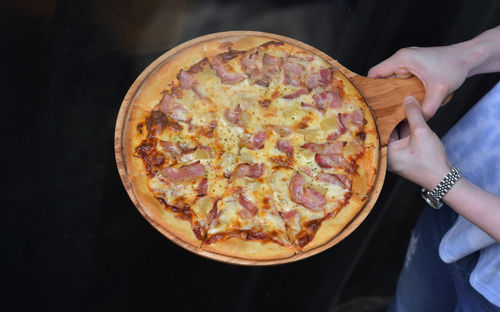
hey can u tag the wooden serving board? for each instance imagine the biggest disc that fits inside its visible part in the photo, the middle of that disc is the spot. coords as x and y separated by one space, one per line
383 96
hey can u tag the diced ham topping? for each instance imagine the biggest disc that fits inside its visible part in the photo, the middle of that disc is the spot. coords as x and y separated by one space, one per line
174 150
203 187
307 171
250 208
186 80
224 71
289 215
271 64
325 148
249 62
356 118
313 80
292 73
296 94
172 109
331 161
344 179
166 103
326 75
251 68
246 170
259 78
187 172
305 196
233 115
256 142
199 67
258 139
212 214
285 146
327 99
335 179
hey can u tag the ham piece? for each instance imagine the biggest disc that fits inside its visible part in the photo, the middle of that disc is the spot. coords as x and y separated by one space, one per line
292 73
174 150
224 71
172 109
305 196
332 160
327 99
187 172
186 79
335 179
256 142
246 170
285 146
325 148
328 155
249 210
203 187
233 116
270 65
356 118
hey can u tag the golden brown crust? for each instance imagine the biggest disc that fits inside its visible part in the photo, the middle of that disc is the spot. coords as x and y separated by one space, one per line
331 227
180 229
149 94
246 249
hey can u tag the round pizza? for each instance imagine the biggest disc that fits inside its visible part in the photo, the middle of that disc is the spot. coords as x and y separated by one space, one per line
249 147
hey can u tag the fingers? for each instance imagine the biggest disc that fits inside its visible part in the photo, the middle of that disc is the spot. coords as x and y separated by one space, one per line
432 101
383 70
414 113
393 66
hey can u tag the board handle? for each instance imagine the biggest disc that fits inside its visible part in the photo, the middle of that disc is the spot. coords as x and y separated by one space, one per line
385 97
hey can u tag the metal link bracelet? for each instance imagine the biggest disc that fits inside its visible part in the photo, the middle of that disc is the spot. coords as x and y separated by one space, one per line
433 198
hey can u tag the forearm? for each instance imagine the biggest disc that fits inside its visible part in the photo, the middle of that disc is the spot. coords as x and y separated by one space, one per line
476 205
482 54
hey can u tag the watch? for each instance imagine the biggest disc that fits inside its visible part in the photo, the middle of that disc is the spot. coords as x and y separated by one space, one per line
433 198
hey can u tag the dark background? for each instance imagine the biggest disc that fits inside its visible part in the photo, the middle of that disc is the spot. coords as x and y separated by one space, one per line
71 238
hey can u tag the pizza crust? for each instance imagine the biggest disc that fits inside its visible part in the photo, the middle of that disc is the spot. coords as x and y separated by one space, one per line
253 250
331 227
179 230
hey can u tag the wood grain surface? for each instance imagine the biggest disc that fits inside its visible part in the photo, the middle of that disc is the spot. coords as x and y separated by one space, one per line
384 96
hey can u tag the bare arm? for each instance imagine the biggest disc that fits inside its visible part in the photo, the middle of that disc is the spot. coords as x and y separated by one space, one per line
476 205
419 156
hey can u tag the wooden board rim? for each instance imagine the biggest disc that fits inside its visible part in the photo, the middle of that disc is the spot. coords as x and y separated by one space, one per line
123 115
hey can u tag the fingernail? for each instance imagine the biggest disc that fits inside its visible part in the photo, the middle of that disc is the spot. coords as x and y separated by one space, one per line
410 99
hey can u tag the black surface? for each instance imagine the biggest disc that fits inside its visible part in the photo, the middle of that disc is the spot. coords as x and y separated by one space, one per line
72 239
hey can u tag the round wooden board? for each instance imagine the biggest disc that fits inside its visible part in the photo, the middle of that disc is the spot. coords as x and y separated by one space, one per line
123 117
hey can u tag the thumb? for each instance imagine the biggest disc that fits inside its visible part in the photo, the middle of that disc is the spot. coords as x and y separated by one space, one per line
414 113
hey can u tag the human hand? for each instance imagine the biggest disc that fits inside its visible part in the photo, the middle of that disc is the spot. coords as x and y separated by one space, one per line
441 69
416 153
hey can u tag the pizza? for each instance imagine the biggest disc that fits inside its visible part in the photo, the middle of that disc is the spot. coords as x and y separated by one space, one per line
250 147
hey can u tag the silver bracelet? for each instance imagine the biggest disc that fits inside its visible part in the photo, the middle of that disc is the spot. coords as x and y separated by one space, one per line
433 198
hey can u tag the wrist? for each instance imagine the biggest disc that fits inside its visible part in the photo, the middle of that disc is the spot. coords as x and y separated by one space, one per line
435 175
472 55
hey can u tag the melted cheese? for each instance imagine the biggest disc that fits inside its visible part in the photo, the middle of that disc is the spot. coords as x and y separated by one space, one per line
272 189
